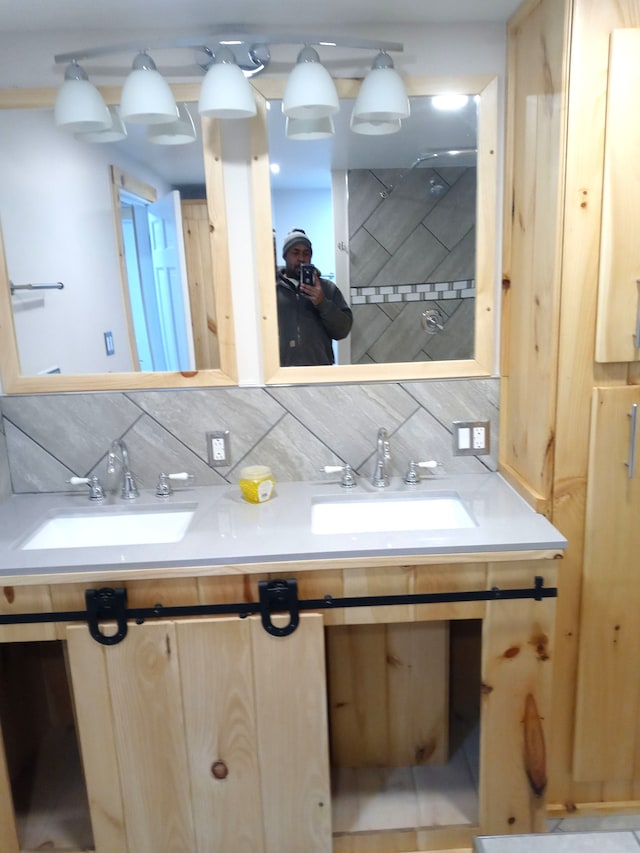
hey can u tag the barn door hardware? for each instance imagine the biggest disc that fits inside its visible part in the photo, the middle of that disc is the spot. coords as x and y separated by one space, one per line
276 596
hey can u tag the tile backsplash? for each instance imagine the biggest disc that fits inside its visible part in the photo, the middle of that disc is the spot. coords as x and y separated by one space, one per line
47 438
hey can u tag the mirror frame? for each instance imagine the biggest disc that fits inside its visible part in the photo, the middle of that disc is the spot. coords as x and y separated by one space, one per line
14 382
486 87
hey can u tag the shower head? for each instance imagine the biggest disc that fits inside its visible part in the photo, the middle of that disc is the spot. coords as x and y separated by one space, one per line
444 154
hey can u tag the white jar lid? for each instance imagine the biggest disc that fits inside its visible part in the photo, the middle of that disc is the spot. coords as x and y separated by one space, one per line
255 472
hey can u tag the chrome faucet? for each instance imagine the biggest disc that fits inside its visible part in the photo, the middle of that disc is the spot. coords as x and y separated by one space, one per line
128 489
383 456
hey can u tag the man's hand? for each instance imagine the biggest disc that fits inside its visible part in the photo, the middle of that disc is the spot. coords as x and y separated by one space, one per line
314 291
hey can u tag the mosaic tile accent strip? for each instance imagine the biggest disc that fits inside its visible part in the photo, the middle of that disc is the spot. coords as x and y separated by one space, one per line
431 291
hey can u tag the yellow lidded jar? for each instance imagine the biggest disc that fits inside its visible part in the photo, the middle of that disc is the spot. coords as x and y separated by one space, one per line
256 483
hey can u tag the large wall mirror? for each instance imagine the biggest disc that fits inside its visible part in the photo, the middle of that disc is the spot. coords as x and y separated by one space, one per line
91 297
405 224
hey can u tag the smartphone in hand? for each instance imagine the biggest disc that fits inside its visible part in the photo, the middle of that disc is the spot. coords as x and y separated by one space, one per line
306 274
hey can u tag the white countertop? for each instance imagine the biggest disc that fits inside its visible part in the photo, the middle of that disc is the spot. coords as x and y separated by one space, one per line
226 530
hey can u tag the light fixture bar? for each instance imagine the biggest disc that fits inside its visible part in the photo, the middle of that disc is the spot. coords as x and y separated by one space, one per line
216 36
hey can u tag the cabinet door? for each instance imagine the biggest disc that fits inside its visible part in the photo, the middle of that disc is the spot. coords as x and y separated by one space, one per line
618 332
207 735
608 694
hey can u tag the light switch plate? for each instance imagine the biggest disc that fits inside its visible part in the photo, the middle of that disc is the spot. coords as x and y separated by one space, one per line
471 438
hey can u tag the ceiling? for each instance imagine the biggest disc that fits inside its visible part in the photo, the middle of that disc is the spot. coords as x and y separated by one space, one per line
31 16
95 21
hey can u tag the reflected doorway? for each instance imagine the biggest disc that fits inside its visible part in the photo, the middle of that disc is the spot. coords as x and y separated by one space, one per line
158 297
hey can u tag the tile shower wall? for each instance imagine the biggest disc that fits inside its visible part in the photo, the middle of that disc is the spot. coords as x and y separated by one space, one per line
294 429
412 249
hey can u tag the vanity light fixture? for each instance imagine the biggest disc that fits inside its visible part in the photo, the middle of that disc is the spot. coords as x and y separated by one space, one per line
225 91
79 105
382 95
374 128
310 92
146 96
179 132
116 131
309 128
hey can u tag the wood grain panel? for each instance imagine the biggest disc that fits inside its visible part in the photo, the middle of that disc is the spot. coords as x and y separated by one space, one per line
517 651
293 749
146 699
219 716
197 244
96 735
618 289
608 695
388 694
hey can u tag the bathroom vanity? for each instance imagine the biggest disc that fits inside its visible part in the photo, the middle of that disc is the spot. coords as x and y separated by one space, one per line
278 689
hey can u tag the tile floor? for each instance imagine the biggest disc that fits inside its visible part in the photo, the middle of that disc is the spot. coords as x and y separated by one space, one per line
616 834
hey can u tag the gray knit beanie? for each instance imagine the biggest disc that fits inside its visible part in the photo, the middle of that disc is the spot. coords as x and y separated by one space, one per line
296 235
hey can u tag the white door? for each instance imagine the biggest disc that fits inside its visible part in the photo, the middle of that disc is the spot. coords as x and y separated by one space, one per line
170 282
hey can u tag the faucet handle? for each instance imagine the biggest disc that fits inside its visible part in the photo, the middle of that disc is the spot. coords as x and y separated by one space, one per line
412 476
163 489
96 492
348 479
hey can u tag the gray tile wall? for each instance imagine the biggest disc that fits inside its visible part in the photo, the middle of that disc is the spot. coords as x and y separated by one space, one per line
294 429
401 234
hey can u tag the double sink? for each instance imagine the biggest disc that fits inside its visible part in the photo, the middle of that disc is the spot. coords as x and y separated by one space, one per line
362 512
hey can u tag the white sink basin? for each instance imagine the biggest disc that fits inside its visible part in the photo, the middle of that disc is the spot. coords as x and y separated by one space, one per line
134 526
381 513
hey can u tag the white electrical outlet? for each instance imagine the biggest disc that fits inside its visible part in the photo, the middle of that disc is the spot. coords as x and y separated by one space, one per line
470 438
479 438
218 450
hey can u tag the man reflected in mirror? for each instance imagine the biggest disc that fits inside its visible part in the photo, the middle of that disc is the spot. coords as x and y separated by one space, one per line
311 314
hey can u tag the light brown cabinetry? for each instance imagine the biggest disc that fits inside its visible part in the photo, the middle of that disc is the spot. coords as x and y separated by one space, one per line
618 323
608 695
211 734
205 735
569 317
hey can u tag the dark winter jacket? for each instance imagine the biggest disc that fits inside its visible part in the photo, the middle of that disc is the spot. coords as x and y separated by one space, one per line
306 332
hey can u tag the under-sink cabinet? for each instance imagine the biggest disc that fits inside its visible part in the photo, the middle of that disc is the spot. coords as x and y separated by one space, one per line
385 729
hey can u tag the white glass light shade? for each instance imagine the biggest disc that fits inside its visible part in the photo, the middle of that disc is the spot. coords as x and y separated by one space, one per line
79 105
382 95
226 92
375 128
115 133
309 128
310 92
146 96
179 132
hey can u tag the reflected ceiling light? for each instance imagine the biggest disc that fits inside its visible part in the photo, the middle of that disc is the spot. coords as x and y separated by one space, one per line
310 92
79 105
226 92
309 128
116 131
449 102
382 95
374 128
146 96
179 132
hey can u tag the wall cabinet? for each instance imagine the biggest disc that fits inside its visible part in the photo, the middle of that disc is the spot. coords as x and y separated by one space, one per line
618 323
209 734
569 320
608 694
